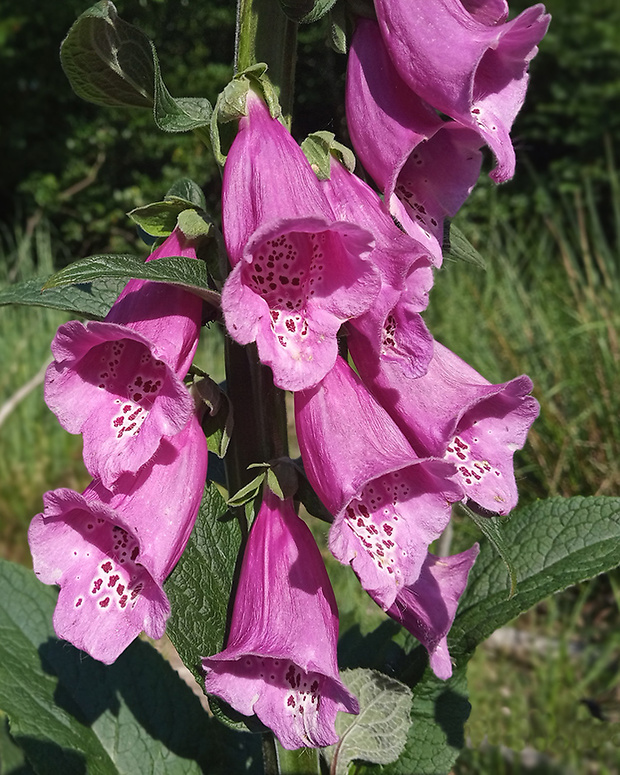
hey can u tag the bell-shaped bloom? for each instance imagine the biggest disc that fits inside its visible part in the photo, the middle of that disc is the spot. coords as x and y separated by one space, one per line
110 552
119 382
280 659
425 166
454 413
467 61
298 272
393 326
427 608
388 504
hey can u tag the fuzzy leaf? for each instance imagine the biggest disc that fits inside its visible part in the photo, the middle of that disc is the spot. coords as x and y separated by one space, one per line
71 714
108 61
178 270
185 190
438 714
88 299
200 585
158 218
378 734
555 543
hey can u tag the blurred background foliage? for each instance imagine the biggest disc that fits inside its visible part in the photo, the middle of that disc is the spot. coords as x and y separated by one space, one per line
82 167
547 304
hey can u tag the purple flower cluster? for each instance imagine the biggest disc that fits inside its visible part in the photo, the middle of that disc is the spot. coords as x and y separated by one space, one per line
389 441
120 384
391 445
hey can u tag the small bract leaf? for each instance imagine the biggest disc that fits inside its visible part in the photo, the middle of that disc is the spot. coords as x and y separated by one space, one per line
107 60
306 11
158 218
378 734
249 492
338 29
185 190
457 247
217 424
180 114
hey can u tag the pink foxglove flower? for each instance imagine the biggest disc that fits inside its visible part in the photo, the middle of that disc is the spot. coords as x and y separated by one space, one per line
298 272
427 608
119 382
110 552
388 504
393 326
425 166
454 413
280 659
466 60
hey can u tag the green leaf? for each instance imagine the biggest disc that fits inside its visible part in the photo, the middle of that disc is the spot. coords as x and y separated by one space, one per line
185 190
158 218
87 299
438 714
338 28
71 714
378 734
492 529
555 543
181 114
249 492
178 270
108 61
200 585
457 247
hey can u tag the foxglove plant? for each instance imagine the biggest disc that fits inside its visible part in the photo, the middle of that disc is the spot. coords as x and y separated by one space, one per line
467 61
388 504
298 272
280 658
425 166
110 551
119 382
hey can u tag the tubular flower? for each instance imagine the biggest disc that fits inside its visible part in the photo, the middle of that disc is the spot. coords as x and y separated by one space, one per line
298 272
280 659
426 166
467 61
454 413
110 551
393 326
119 382
388 504
427 608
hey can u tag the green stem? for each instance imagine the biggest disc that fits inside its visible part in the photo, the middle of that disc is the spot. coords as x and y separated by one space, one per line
265 34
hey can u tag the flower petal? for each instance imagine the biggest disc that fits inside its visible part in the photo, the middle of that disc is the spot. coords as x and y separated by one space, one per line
280 659
427 608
